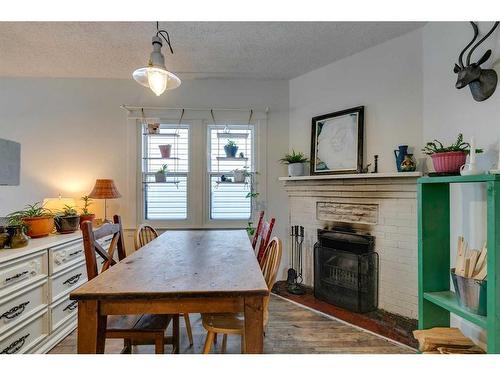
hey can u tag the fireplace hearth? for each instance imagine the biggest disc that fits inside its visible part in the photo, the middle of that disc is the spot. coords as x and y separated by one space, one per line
346 269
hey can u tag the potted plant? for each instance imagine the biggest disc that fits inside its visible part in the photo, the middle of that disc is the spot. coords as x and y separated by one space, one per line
448 159
86 215
231 149
15 232
38 220
161 175
295 163
165 151
239 175
67 220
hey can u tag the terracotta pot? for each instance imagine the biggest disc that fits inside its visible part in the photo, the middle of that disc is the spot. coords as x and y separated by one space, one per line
39 226
89 217
165 150
448 162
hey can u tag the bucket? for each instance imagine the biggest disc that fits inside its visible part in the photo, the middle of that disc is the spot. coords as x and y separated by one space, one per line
471 293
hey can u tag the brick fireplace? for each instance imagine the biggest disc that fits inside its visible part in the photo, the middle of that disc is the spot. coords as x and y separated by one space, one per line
383 205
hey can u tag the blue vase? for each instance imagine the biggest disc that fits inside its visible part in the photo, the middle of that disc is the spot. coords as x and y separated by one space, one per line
400 155
231 151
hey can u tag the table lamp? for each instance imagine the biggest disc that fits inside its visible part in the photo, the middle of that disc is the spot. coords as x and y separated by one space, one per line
56 205
104 189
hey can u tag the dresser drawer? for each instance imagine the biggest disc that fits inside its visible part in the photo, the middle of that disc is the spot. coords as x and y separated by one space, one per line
61 312
66 255
22 304
27 336
64 282
21 272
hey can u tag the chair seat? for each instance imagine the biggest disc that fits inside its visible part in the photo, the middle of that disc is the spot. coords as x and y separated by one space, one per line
229 323
138 323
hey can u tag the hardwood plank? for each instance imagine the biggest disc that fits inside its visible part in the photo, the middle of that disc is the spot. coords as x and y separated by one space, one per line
180 264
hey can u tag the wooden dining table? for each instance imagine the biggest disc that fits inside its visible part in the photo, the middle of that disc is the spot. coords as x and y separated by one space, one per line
181 271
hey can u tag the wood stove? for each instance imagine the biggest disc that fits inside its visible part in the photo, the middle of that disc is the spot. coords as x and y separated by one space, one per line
346 269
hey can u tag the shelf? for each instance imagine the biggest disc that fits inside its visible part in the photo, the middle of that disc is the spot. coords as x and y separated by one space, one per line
171 158
459 179
231 135
166 182
230 159
353 175
162 135
230 182
448 301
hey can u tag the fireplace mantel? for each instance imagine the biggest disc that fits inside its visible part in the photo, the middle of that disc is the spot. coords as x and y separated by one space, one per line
353 176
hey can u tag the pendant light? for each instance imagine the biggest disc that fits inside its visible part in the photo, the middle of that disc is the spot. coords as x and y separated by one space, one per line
155 75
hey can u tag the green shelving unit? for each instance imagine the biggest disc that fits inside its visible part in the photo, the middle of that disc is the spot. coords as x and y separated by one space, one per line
436 301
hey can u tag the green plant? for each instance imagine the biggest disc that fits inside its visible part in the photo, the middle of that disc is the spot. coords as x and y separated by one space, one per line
293 158
252 194
68 211
163 169
231 143
250 229
87 201
31 210
437 147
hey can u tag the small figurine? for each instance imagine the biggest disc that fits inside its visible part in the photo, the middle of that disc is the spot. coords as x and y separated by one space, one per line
223 178
408 164
365 169
242 155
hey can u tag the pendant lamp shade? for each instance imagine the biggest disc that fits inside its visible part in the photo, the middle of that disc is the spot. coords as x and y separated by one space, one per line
104 189
155 75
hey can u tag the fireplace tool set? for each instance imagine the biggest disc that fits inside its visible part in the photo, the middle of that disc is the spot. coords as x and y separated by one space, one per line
294 279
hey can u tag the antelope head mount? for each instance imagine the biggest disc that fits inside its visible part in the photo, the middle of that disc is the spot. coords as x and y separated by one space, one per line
482 82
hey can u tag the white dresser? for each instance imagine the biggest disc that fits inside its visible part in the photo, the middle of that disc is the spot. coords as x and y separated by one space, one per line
35 282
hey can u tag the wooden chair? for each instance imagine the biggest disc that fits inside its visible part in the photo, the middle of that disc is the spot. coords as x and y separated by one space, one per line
234 323
265 236
258 230
144 329
143 235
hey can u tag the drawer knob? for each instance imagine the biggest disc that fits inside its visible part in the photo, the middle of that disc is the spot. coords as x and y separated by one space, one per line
15 311
73 279
15 346
73 305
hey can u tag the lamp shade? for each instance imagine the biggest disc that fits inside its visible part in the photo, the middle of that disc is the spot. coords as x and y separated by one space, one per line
104 189
57 204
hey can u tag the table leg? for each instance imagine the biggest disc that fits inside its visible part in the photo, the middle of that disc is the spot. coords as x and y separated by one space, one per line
254 325
91 328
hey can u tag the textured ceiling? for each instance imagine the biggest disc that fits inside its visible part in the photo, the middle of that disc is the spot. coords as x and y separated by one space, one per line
261 50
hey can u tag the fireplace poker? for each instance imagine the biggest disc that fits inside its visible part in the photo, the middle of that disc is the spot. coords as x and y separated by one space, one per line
292 273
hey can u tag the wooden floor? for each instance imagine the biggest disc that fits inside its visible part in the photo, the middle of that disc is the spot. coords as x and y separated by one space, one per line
292 329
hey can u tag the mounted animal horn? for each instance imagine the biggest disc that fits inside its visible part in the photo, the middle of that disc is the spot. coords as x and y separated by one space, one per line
482 82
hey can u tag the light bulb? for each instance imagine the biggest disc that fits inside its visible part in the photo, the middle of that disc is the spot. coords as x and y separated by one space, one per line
157 80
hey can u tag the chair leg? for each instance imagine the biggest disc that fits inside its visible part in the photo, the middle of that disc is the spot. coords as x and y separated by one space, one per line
176 335
224 343
160 345
127 346
208 342
242 344
215 339
188 329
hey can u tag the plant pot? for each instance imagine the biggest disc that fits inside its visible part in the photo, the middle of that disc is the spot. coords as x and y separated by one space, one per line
165 150
239 175
231 151
160 177
39 226
17 238
4 238
89 217
67 224
448 162
295 169
153 128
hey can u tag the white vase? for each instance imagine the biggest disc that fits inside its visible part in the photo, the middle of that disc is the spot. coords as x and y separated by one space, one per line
239 175
295 169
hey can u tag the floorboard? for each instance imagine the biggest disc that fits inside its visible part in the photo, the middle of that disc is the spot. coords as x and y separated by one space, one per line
292 329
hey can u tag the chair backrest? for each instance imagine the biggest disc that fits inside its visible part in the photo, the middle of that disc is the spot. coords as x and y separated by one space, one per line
270 266
265 236
143 235
258 230
91 245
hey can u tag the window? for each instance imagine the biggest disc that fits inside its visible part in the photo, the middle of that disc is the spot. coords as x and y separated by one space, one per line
165 198
228 196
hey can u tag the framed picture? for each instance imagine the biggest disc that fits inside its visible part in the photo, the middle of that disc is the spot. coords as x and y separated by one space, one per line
337 142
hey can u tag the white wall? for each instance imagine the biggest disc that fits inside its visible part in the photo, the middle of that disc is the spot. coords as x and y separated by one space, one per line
73 131
386 79
448 111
